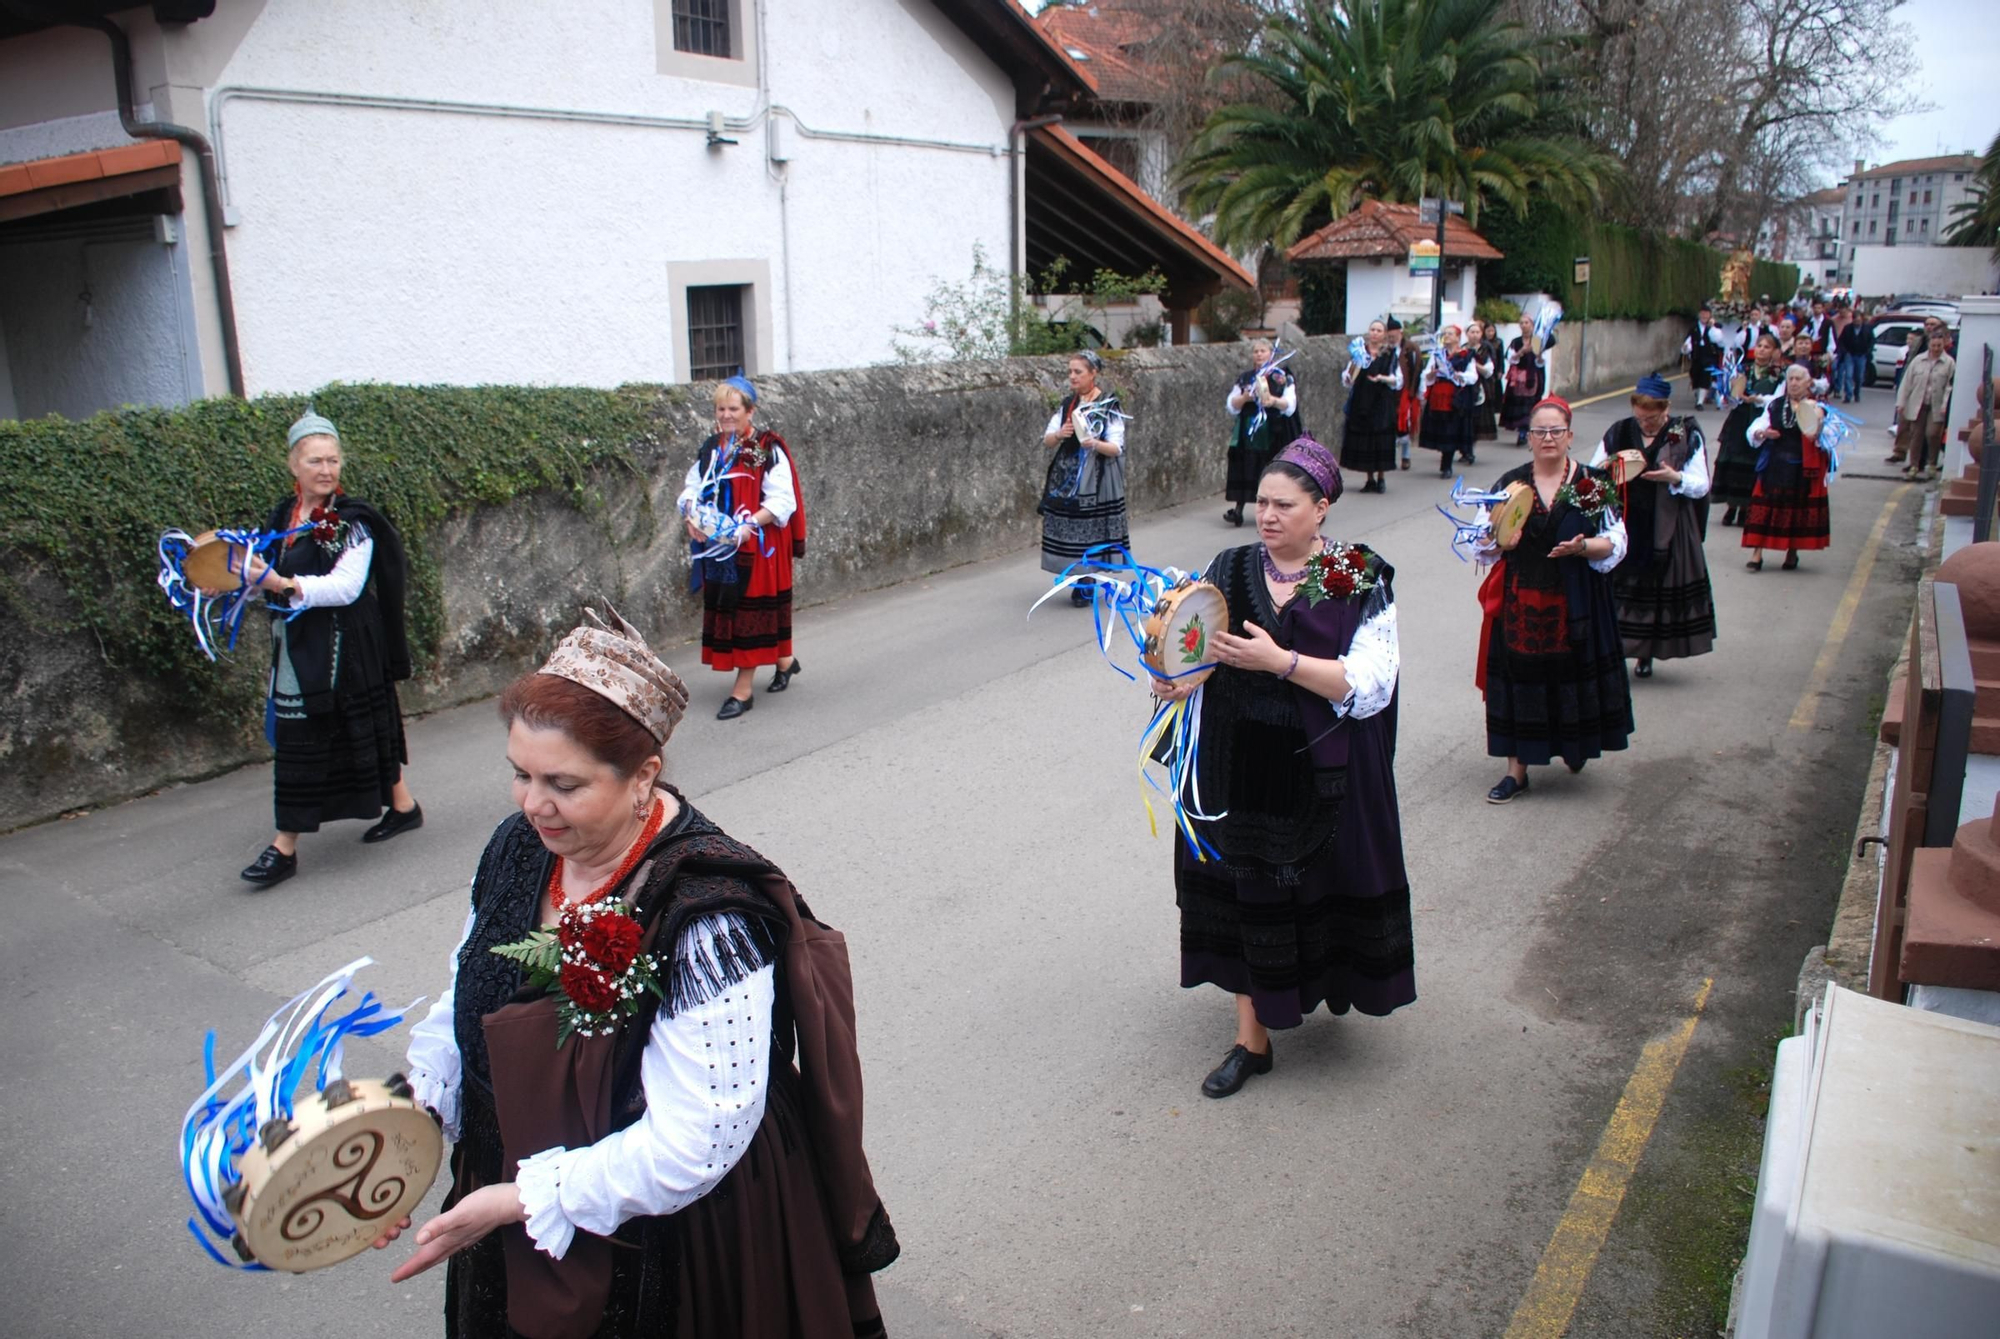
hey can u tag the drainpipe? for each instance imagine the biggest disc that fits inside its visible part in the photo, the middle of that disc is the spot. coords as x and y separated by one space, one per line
211 189
1015 206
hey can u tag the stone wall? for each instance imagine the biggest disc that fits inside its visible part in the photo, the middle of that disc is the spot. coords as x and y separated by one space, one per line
1620 353
905 471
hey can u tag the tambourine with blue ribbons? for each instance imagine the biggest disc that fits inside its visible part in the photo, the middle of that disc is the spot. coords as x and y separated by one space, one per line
206 578
296 1183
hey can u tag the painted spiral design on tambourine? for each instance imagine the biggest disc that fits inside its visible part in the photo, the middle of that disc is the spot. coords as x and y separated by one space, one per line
355 1196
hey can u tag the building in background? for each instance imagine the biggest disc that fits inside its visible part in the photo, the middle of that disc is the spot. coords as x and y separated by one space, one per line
1808 235
1907 203
589 192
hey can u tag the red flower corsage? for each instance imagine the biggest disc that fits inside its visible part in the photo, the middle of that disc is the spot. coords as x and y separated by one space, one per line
591 959
1338 572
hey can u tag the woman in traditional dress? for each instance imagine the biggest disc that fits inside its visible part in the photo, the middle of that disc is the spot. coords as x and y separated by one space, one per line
1309 903
1083 495
1551 664
1736 459
1484 340
1409 405
1265 416
1526 381
1450 388
690 1164
1789 509
1368 445
1665 608
339 647
746 595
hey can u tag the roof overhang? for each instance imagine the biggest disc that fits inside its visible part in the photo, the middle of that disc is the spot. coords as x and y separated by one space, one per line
21 17
1044 79
72 181
1082 208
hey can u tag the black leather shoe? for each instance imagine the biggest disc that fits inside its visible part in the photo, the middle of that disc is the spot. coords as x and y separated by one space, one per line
1645 668
781 679
1507 790
271 868
1236 1069
1234 516
734 707
393 822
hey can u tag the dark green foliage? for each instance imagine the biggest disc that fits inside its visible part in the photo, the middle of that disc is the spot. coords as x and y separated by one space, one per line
1323 299
87 500
1634 276
1390 100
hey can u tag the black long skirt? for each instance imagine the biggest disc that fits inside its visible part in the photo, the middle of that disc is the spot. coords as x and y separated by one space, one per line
1666 610
1735 477
1447 431
1548 696
1366 449
343 762
752 1259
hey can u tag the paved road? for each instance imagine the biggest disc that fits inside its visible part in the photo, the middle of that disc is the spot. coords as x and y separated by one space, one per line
954 787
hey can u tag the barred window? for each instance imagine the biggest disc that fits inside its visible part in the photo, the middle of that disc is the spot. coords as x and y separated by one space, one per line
701 27
715 331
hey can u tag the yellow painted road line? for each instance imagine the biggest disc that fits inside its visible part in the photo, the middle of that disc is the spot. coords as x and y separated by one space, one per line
1843 616
1622 390
1572 1252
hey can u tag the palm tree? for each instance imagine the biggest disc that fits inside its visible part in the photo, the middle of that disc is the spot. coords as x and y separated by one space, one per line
1391 99
1977 221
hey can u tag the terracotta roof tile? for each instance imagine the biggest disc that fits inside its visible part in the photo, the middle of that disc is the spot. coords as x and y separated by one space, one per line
1378 228
1108 37
41 173
1957 162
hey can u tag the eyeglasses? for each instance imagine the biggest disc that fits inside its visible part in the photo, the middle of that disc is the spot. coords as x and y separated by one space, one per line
1547 434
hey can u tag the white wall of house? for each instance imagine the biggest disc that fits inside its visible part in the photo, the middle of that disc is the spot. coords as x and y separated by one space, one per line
374 242
1382 284
1937 271
95 322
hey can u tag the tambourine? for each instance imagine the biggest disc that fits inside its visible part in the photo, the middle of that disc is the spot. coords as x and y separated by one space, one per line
1625 466
1738 384
1178 631
318 1189
215 565
1509 518
1811 415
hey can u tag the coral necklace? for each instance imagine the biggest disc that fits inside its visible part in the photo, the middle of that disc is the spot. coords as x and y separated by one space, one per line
654 821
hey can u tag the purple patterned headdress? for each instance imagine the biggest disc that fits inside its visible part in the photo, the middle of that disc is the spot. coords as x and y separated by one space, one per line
1317 461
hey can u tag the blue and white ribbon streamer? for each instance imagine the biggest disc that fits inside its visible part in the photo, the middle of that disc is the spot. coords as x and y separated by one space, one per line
217 616
1546 320
218 1130
1732 366
1277 360
1470 537
725 531
1123 593
1357 351
1836 431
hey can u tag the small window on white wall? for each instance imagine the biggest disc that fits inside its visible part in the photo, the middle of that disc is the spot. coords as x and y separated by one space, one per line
711 40
722 320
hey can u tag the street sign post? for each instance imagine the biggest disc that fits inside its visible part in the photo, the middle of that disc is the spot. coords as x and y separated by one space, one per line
1583 332
1433 209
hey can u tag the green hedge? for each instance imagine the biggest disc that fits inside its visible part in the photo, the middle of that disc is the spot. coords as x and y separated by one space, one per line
1634 275
87 500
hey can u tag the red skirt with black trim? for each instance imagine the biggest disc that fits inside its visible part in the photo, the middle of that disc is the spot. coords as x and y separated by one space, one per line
757 630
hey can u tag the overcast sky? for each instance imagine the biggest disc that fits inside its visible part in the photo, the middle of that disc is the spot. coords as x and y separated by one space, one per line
1958 49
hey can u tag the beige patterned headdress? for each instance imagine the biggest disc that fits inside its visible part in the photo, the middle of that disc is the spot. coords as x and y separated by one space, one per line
613 661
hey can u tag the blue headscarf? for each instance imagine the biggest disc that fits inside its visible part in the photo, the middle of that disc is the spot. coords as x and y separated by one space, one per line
1655 386
742 386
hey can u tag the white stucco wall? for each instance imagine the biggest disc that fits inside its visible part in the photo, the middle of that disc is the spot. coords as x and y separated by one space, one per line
1376 286
1942 271
134 348
422 246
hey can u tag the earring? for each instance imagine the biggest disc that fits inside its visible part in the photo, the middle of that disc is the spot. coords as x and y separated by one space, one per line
640 804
